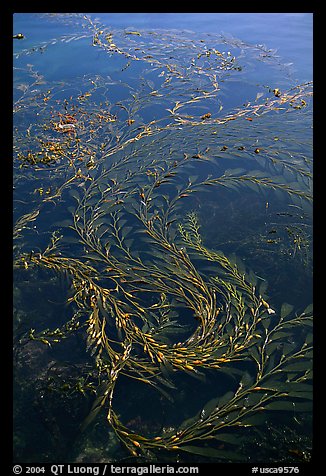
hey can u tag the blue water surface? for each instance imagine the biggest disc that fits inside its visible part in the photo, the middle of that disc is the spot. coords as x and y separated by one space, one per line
56 64
290 33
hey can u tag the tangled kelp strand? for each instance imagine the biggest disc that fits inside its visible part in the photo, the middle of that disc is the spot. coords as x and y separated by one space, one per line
122 176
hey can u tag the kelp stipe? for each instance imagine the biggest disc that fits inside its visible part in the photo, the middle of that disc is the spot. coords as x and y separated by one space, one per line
121 183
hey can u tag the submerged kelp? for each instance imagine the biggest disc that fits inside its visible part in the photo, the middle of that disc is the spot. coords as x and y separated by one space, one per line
113 177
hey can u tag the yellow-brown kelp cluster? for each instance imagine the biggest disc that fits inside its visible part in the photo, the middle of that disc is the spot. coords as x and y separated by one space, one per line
131 247
240 326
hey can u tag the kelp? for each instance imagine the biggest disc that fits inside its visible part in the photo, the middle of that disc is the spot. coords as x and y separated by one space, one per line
238 328
124 183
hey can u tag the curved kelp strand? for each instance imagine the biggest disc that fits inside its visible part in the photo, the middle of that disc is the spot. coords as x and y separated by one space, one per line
114 177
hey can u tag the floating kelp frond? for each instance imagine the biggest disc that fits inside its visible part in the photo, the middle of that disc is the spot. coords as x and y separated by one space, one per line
233 324
239 328
115 170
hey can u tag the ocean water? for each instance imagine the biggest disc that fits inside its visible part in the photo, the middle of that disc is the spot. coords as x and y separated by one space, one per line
293 41
162 182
